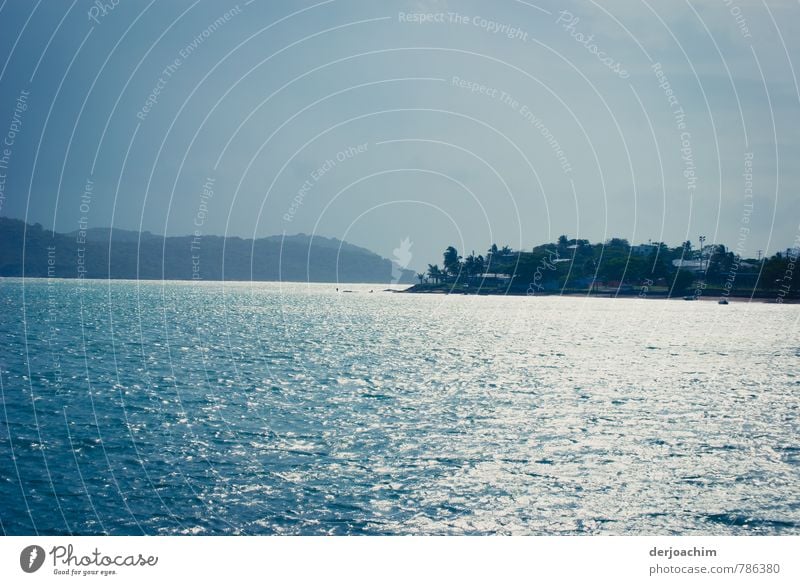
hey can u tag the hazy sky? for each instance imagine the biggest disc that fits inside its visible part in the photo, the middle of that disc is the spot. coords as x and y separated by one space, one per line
504 121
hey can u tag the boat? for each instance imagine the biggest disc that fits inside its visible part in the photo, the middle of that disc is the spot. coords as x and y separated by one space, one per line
723 301
690 298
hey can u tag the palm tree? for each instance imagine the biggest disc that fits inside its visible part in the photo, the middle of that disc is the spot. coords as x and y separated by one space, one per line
434 273
474 265
452 261
421 277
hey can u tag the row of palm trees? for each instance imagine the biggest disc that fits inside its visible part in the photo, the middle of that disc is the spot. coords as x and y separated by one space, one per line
455 266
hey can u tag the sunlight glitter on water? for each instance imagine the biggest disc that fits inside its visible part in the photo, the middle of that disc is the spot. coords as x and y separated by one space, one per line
291 409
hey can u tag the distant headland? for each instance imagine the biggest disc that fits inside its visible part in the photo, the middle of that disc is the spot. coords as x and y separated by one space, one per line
32 251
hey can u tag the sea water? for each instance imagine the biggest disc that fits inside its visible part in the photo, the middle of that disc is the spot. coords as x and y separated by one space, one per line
276 408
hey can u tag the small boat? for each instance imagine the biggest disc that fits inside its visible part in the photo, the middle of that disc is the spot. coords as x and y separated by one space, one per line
690 298
723 301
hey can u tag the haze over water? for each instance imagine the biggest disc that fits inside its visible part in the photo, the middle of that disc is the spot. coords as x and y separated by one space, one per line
290 409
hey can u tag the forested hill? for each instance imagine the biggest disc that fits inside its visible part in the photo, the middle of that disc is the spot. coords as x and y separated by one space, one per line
103 253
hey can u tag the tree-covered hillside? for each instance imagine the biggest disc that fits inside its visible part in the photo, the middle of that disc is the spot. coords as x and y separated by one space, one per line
615 267
102 253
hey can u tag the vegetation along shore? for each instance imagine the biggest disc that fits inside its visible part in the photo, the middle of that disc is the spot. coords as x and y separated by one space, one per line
616 268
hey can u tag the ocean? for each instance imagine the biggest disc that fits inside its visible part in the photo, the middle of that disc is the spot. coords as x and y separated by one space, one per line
279 408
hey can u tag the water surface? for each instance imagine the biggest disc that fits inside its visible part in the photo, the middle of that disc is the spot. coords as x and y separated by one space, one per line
211 408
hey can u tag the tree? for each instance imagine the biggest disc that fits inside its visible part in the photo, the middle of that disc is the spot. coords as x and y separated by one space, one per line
618 243
434 273
776 272
583 248
658 267
683 280
452 261
563 241
474 265
613 269
718 265
421 277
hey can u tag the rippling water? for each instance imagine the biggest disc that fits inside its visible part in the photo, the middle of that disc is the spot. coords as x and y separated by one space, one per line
175 408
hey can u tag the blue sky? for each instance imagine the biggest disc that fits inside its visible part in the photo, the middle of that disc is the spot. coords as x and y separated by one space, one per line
562 133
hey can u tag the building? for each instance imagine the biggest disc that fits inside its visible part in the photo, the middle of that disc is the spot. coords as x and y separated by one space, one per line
643 249
489 277
692 265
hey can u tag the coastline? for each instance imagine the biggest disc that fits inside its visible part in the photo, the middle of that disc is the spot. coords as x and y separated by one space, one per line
769 297
715 295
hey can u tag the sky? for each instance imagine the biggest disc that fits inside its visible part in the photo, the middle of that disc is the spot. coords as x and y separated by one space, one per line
438 122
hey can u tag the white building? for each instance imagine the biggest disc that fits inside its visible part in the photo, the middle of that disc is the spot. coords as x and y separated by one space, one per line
691 265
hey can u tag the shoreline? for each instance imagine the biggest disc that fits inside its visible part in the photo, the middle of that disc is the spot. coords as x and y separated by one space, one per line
713 295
